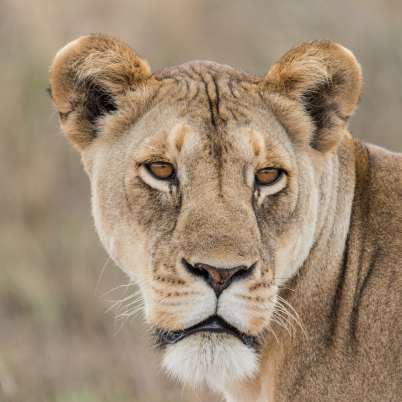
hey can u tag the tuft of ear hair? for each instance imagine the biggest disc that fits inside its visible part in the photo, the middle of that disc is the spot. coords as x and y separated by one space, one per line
87 77
326 79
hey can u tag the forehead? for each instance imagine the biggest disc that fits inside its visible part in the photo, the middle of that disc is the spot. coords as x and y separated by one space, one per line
211 92
211 105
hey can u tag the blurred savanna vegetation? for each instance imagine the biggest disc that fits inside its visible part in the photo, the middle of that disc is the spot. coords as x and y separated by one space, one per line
58 343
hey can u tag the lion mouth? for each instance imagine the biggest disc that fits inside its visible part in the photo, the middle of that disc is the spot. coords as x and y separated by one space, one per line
213 324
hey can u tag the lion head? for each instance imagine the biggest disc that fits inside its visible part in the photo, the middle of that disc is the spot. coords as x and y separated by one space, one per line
209 185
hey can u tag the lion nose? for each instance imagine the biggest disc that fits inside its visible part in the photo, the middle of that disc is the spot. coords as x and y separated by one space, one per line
218 278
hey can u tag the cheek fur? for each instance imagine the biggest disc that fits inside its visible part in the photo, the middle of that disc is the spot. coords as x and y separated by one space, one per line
295 242
151 209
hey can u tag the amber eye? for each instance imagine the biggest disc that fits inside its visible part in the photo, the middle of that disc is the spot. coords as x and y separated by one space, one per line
161 170
268 176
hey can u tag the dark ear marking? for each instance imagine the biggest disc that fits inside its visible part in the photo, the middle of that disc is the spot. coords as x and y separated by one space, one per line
98 102
315 103
318 103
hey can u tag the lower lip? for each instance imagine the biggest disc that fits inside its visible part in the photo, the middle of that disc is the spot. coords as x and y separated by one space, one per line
214 324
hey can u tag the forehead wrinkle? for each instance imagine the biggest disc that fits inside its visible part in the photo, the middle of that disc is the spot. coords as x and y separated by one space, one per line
213 92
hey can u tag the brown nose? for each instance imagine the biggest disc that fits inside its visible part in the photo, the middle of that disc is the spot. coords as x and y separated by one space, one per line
218 278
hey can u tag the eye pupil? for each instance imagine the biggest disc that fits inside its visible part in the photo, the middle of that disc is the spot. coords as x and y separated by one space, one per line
268 176
161 170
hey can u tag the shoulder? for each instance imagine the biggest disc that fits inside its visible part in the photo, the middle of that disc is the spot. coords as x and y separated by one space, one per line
379 181
384 169
375 239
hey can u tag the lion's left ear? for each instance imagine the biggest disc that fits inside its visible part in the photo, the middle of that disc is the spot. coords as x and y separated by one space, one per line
326 79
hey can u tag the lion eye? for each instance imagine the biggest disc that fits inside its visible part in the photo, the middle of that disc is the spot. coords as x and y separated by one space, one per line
268 176
161 170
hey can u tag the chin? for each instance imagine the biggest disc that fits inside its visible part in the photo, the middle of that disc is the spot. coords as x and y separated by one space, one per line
211 359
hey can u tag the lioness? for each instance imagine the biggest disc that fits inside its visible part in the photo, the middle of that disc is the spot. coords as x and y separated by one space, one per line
266 241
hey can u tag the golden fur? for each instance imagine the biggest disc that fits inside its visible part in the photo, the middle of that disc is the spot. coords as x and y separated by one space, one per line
324 297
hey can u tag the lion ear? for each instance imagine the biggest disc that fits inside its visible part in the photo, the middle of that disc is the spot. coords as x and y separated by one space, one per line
326 79
87 77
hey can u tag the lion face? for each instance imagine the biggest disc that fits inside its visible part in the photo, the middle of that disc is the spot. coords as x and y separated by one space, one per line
173 235
207 189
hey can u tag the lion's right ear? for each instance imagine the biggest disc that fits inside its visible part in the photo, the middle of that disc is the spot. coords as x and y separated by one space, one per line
87 77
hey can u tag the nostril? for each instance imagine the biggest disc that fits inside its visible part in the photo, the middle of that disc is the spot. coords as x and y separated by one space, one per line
244 272
194 269
218 278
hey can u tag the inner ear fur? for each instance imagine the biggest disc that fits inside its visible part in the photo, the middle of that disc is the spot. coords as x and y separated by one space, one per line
326 79
87 77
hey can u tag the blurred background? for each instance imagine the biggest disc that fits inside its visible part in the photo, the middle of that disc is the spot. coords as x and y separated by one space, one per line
59 339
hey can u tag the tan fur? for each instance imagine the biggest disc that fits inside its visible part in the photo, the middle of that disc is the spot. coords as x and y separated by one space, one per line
324 298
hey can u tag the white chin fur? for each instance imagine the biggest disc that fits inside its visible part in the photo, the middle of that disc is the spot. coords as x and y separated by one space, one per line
211 359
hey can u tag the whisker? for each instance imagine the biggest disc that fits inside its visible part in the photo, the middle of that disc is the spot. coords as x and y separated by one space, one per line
100 277
286 288
293 314
118 303
282 319
283 322
274 334
130 313
125 285
124 317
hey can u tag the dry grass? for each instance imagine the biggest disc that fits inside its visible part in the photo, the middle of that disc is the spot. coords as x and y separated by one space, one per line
57 344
